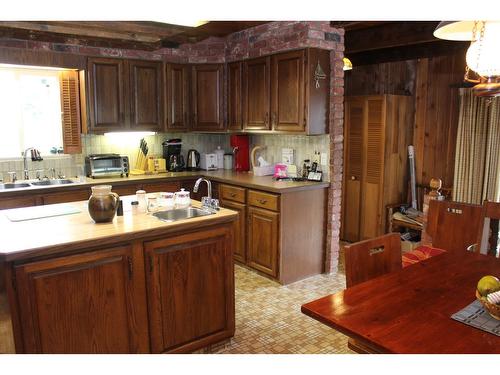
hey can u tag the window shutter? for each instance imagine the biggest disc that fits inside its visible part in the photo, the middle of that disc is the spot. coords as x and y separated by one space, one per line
70 116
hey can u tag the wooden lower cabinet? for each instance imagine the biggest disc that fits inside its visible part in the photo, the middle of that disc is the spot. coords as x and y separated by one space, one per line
240 229
85 303
196 272
66 196
263 240
18 202
170 294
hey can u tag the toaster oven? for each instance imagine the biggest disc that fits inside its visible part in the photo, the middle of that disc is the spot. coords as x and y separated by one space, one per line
106 165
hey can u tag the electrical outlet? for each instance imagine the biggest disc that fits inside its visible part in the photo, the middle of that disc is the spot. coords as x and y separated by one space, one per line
323 159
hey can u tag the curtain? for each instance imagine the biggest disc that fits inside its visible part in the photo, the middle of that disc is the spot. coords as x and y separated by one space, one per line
478 149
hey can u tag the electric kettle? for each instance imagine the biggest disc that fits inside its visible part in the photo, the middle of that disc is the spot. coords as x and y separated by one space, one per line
193 160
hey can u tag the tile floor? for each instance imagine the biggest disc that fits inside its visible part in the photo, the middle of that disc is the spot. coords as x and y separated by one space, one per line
268 317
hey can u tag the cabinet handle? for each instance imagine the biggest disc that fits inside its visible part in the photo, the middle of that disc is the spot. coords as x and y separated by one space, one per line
353 178
262 201
130 267
232 195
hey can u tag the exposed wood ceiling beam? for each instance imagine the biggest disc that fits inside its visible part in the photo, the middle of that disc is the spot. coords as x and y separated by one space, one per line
410 52
389 35
82 31
23 34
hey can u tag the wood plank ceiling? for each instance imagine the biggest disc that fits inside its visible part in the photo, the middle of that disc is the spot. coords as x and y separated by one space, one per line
371 42
149 36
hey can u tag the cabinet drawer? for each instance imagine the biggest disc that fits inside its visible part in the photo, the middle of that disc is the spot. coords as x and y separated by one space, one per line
232 193
264 200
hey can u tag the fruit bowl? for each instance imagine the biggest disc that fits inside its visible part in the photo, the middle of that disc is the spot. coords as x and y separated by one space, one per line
493 309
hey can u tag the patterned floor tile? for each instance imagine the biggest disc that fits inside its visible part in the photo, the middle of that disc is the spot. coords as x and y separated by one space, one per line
269 320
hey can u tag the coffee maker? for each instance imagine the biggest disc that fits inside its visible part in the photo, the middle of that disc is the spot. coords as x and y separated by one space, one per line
172 154
240 145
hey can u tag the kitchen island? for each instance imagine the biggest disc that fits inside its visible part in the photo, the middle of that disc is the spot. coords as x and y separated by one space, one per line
135 285
280 232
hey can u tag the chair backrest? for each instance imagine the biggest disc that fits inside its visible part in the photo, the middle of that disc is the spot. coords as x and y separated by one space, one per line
487 238
368 259
453 226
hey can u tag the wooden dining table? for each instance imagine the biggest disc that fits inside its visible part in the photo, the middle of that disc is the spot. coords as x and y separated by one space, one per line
409 311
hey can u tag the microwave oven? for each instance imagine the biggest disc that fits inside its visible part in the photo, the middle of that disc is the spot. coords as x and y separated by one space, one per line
106 165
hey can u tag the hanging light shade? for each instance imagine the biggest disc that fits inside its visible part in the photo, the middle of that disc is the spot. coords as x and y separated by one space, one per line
347 64
483 55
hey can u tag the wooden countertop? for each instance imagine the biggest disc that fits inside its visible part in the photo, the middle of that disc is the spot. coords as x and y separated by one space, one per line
246 179
40 237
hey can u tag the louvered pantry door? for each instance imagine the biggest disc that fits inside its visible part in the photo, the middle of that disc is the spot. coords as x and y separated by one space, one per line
373 171
353 168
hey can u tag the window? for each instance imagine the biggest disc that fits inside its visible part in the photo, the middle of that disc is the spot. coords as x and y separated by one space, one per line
30 110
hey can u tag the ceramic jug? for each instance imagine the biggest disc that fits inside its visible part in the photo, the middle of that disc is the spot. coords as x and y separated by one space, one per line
103 203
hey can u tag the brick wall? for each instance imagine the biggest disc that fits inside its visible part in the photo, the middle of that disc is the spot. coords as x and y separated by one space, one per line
254 42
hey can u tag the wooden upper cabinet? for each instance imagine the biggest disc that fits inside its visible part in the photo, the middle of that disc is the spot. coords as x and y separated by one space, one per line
177 108
107 91
146 95
85 303
285 92
288 91
257 94
207 93
234 97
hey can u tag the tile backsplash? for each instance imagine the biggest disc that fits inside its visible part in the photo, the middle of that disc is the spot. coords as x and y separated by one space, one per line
127 144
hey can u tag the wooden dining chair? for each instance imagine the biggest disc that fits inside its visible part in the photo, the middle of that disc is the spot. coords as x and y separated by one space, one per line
366 260
487 238
453 226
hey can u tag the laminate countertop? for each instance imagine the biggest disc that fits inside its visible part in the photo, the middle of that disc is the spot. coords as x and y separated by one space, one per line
51 235
246 179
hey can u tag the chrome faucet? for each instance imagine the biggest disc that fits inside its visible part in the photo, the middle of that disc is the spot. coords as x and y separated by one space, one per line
25 163
197 185
206 202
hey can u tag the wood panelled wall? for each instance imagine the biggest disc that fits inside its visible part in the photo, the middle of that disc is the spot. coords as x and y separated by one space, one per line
433 83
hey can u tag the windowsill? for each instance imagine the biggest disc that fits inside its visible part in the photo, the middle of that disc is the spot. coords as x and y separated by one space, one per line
45 157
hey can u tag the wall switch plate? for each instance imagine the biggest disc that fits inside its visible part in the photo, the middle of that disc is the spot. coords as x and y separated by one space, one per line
323 159
287 155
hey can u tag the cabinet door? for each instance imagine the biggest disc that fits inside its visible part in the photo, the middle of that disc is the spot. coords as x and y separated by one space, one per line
85 303
146 95
177 107
107 95
17 202
371 224
257 94
288 91
66 196
240 226
207 97
154 187
263 240
190 284
234 99
353 170
129 189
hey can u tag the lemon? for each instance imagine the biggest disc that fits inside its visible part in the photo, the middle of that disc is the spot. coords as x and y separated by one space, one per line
488 284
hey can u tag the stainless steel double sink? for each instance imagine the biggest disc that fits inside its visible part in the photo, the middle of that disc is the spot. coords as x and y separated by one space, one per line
20 185
182 214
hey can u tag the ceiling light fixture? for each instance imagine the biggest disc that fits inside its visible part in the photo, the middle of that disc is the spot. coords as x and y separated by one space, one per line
347 64
483 55
183 22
